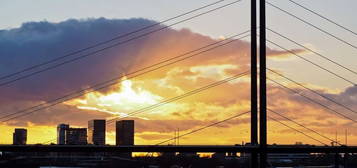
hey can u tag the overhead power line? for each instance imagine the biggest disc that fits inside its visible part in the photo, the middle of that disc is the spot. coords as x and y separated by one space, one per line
183 95
113 45
136 73
312 100
110 40
113 81
297 130
164 102
312 25
301 125
202 128
313 63
139 72
324 17
318 54
315 92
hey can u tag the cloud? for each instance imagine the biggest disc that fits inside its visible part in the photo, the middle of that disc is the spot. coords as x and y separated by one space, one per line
154 136
58 114
35 42
280 55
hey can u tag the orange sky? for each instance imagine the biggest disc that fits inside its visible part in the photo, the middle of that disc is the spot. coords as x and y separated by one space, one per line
195 111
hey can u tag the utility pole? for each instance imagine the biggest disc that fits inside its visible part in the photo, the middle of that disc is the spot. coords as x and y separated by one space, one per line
175 137
346 137
254 83
178 136
262 83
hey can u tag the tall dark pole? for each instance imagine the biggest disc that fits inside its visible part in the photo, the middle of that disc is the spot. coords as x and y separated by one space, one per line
262 82
254 83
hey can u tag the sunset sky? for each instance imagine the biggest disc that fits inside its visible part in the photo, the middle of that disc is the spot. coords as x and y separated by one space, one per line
34 31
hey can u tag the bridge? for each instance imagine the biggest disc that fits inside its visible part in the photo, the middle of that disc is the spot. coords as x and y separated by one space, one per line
258 147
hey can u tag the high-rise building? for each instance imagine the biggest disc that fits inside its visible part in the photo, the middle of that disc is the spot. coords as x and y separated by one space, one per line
20 136
125 132
96 132
76 136
61 133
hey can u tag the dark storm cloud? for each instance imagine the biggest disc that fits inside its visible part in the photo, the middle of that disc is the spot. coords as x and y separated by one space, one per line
345 102
36 42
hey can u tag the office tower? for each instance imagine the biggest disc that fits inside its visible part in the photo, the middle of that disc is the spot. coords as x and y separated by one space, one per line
61 133
20 136
125 132
76 136
96 132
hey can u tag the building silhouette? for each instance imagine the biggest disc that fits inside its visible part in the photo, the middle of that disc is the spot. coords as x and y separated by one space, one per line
61 133
124 132
20 136
96 132
76 136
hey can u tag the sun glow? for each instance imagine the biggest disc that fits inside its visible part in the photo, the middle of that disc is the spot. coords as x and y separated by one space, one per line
127 95
124 98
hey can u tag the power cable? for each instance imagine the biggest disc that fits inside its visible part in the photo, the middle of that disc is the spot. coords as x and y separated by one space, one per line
291 80
318 54
270 117
315 64
113 81
107 41
312 100
324 17
321 135
164 102
312 25
202 128
113 45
